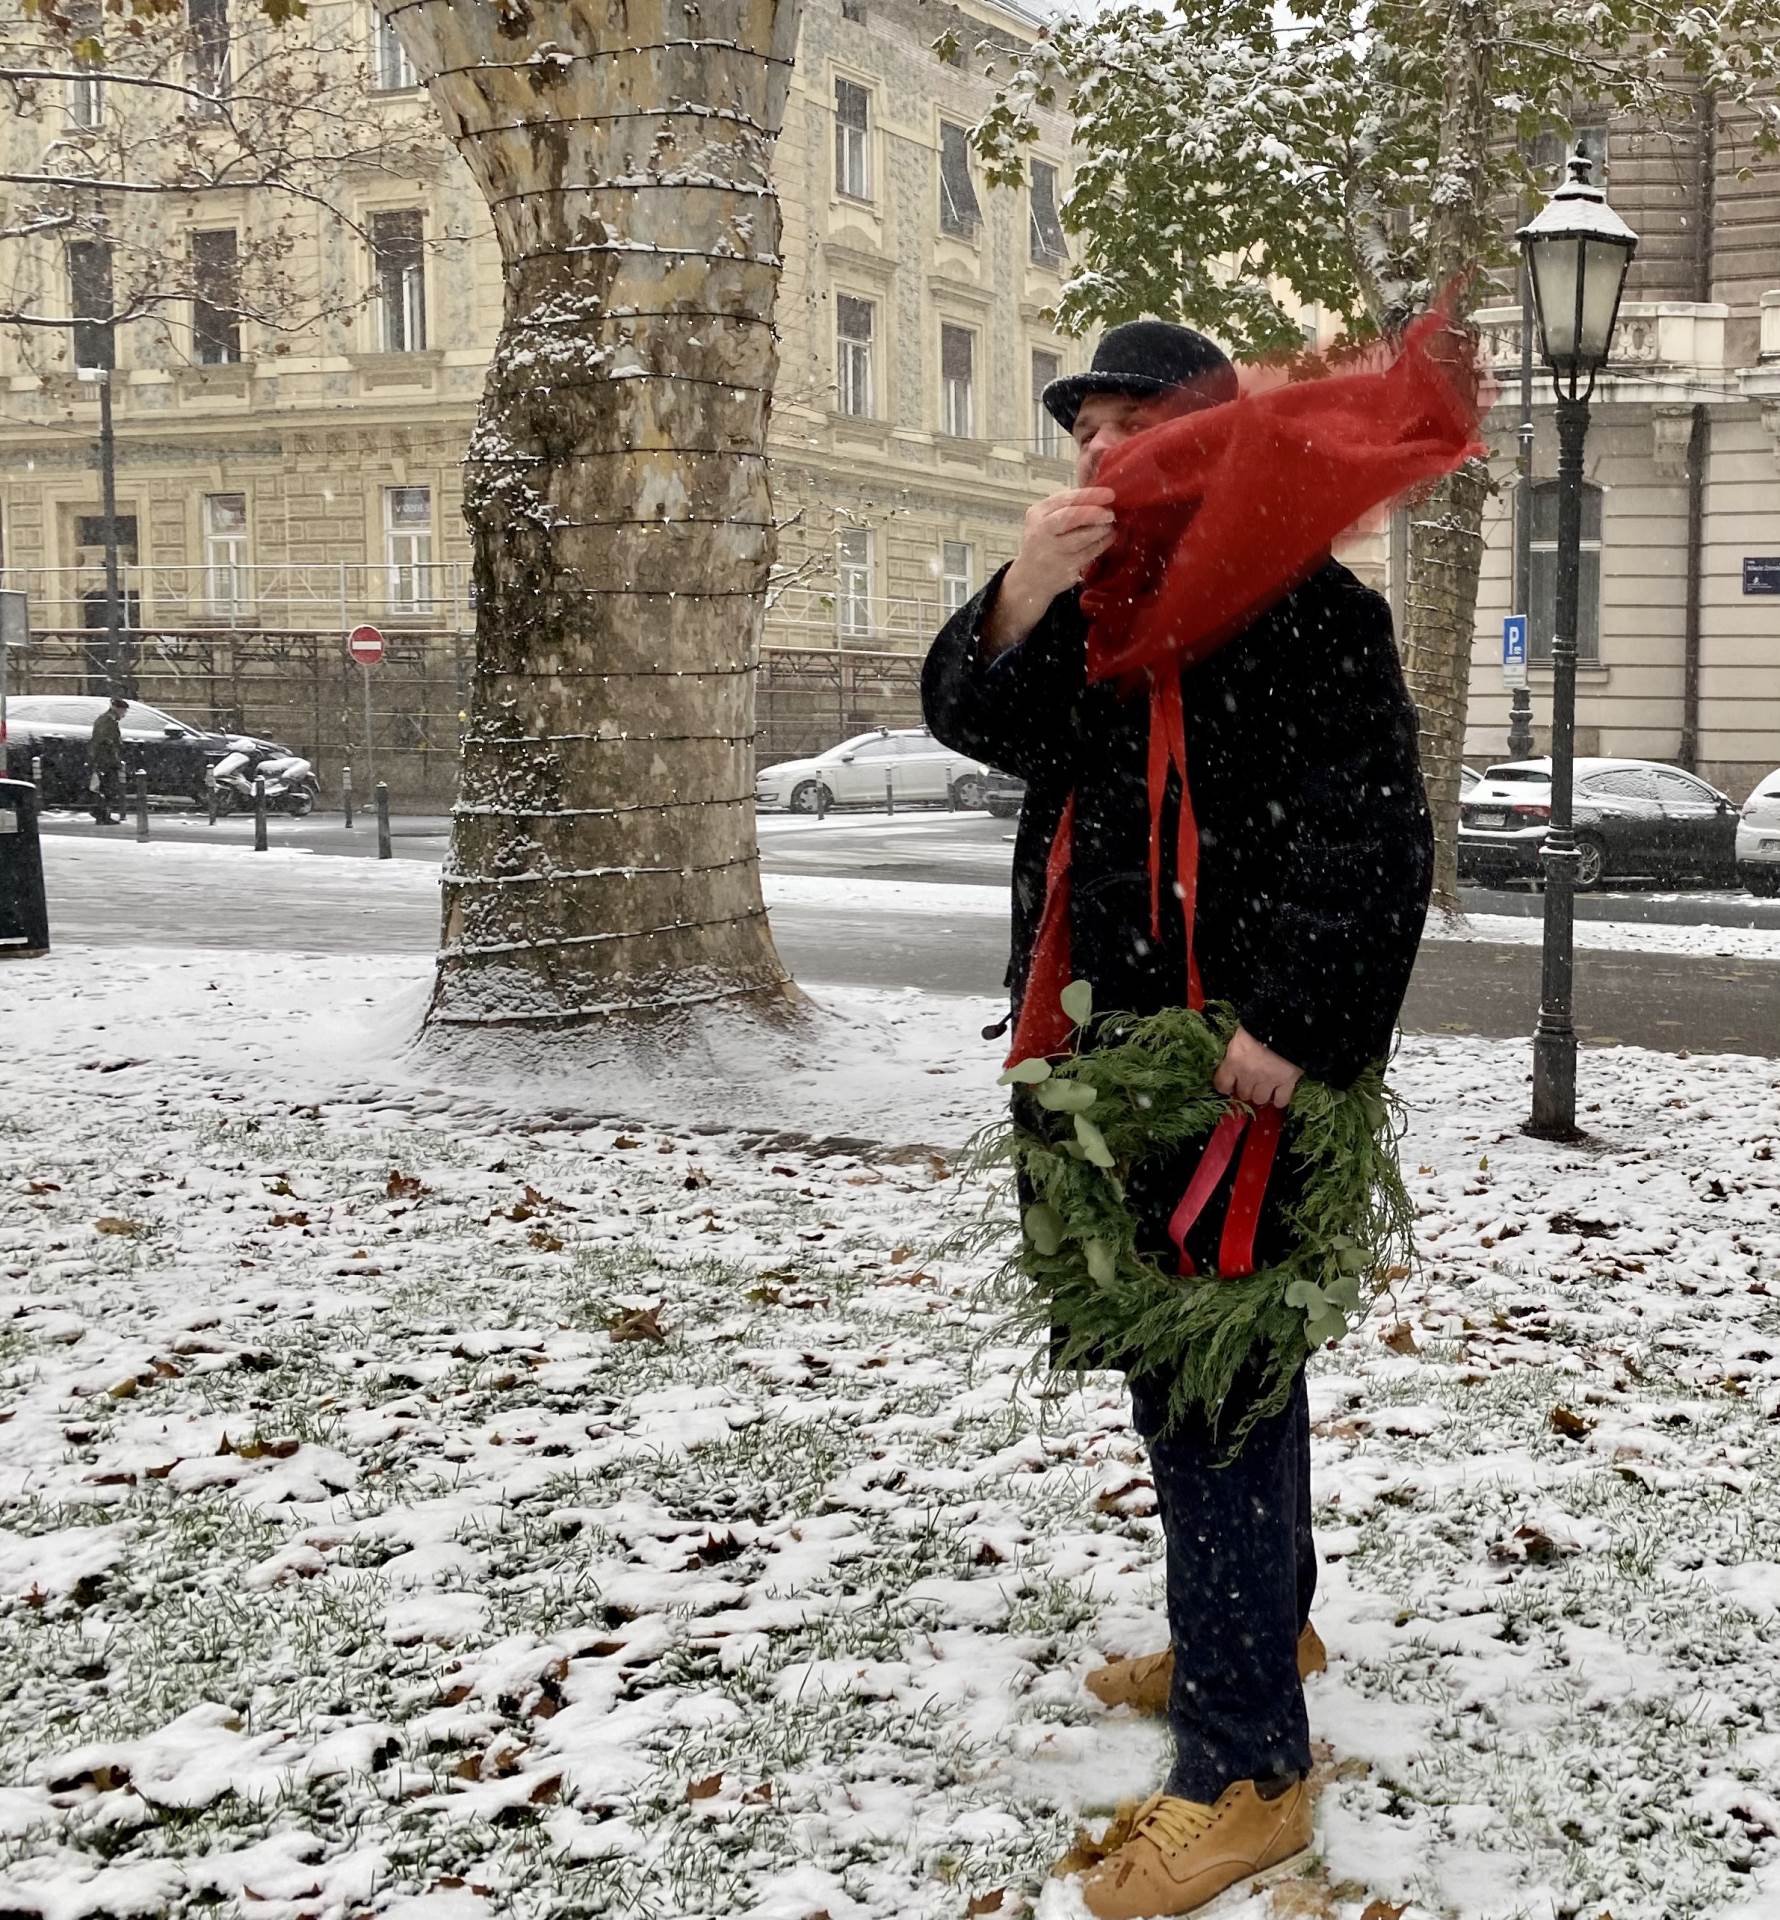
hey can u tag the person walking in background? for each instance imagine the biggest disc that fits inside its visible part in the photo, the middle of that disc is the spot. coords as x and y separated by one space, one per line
105 762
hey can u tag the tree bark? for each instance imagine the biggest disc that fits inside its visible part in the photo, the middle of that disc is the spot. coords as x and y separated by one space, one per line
603 870
1446 530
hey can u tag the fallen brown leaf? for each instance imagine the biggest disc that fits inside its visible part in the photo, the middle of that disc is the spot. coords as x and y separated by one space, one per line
402 1186
705 1789
1401 1338
111 1223
986 1903
1383 1910
641 1323
1571 1425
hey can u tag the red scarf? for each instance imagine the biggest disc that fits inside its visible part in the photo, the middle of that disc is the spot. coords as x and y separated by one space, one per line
1220 514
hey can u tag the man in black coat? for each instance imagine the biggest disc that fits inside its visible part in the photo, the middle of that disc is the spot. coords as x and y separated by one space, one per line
1315 861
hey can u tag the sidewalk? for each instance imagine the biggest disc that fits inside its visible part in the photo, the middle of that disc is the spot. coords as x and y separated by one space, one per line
435 1504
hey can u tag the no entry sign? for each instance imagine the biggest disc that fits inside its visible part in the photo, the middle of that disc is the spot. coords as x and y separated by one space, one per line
365 644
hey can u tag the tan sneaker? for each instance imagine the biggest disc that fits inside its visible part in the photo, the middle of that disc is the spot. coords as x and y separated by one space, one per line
1178 1854
1142 1684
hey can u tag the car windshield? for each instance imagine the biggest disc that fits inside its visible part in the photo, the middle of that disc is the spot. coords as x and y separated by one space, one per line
141 719
1542 775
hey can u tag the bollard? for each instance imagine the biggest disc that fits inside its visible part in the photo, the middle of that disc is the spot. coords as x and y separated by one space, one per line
380 793
24 915
141 803
259 815
889 791
346 792
951 796
210 796
37 772
821 801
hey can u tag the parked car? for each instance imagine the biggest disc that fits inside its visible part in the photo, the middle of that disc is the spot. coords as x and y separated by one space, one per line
917 767
1005 794
1633 817
57 729
1758 838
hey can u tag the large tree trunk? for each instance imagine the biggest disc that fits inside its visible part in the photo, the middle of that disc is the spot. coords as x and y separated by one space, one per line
603 868
1446 530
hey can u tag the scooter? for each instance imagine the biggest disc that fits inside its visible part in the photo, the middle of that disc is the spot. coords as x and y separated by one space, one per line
291 785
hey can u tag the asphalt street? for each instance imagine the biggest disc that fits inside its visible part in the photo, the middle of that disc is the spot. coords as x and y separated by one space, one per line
338 906
968 849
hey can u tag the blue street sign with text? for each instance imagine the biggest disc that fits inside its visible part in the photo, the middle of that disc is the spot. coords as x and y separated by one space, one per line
1514 650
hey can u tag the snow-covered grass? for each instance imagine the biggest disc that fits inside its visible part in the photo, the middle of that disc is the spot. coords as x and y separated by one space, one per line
435 1505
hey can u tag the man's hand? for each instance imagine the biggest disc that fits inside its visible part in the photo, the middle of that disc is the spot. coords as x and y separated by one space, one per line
1252 1072
1063 536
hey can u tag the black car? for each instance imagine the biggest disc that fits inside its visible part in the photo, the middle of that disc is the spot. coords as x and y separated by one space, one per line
1003 794
1632 818
57 728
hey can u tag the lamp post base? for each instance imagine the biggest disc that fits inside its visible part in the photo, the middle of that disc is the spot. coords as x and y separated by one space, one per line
1554 1086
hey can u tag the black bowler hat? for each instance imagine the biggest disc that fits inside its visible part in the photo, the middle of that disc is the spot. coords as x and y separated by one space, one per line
1143 358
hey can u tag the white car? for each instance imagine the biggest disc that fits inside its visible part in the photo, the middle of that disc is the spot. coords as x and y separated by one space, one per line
907 763
1758 838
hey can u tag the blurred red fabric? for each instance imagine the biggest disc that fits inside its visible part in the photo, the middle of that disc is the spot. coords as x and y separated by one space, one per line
1220 513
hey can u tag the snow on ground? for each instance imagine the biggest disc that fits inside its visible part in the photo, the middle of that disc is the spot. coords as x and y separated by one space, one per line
443 1508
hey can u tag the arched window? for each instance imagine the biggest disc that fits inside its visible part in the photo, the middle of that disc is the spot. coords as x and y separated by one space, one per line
1544 583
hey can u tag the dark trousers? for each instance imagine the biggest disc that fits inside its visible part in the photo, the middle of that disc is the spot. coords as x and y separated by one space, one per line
1241 1575
108 796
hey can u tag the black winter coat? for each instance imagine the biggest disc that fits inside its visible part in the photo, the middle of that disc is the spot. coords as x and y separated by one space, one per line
1315 845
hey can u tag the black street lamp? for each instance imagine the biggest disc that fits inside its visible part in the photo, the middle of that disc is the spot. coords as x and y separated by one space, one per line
1577 251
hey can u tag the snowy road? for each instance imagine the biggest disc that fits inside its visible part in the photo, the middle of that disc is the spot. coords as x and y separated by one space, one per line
969 849
872 933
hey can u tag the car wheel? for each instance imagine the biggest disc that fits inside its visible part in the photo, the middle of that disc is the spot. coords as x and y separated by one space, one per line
803 796
1763 884
1591 861
1004 809
969 792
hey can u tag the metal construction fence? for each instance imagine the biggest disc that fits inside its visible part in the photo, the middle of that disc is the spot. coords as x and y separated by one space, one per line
267 656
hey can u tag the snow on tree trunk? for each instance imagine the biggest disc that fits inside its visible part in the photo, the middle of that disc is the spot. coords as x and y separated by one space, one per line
1446 530
603 867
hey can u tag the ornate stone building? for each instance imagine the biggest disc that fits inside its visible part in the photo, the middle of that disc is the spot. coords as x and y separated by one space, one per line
275 489
1680 624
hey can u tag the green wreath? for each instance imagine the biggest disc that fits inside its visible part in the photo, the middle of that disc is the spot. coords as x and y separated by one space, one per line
1080 1125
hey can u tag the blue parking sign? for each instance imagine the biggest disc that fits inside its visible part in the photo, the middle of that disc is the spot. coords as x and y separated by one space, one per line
1514 650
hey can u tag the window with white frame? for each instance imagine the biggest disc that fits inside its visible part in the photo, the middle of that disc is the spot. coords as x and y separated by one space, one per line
959 212
1047 434
853 320
852 140
957 410
225 552
85 95
209 60
397 245
216 297
954 573
408 547
86 100
853 566
1048 247
1544 553
391 69
90 291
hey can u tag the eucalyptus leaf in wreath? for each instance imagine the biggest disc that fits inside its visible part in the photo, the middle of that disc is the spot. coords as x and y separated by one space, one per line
1059 1095
1077 1000
1026 1073
1077 1279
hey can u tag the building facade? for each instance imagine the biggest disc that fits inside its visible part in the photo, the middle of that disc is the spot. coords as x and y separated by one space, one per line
1679 637
277 487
